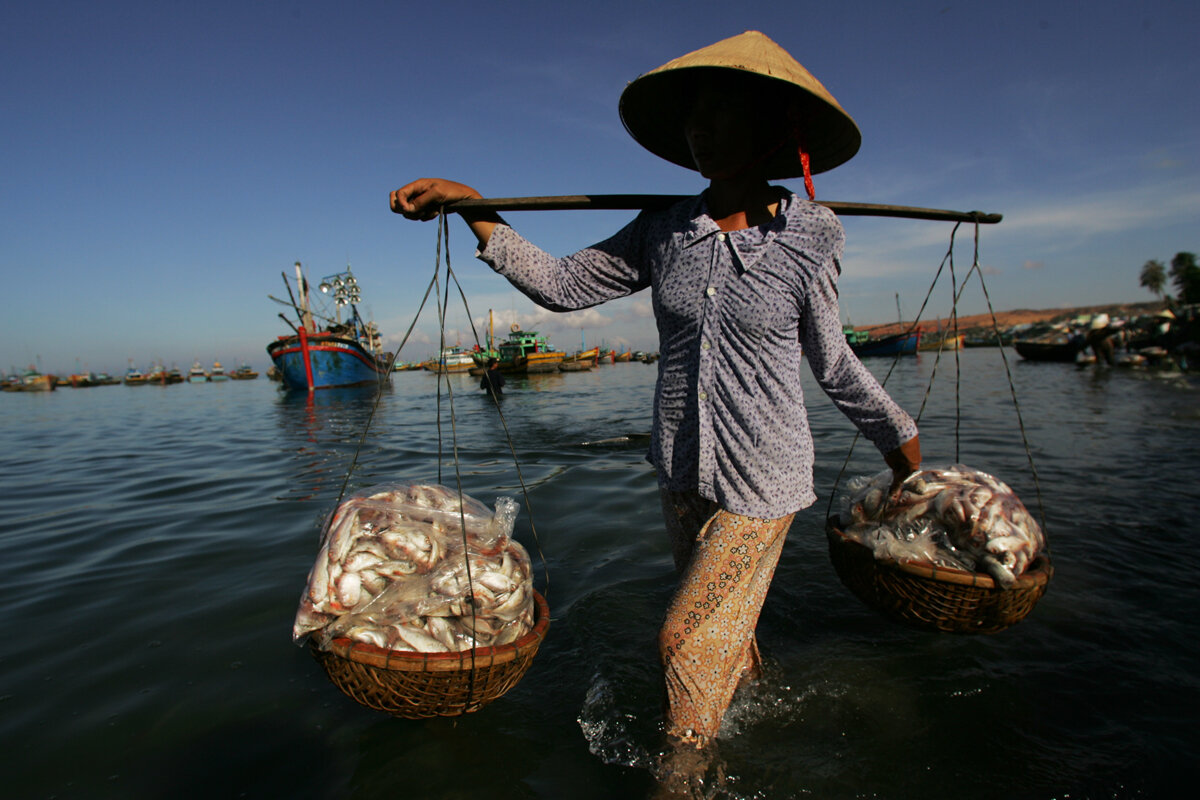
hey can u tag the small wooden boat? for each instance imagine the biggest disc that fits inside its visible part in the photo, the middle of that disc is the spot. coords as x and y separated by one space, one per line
581 361
1061 348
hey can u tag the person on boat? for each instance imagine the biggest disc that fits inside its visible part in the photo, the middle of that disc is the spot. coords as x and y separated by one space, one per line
743 279
492 381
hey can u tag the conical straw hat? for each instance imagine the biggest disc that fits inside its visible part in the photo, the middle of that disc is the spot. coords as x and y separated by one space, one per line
652 106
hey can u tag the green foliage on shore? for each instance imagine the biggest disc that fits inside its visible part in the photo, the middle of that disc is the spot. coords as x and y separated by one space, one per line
1184 275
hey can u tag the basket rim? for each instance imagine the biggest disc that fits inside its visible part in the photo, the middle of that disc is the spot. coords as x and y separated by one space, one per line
1038 573
370 654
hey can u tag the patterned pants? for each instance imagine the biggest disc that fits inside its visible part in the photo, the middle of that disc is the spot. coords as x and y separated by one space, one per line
726 562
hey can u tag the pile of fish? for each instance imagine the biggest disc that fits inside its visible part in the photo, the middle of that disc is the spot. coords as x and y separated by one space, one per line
956 517
393 570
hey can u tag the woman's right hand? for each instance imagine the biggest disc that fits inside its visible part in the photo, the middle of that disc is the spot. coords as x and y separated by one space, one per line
424 197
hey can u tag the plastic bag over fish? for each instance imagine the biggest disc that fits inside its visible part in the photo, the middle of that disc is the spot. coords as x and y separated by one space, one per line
955 517
393 567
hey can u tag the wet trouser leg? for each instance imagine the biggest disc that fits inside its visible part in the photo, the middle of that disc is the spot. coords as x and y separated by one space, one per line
726 562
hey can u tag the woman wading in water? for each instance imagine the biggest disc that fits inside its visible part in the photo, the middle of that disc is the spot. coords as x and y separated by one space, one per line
743 279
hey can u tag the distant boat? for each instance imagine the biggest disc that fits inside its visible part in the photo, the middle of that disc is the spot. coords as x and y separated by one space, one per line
332 353
619 357
1060 347
218 373
581 361
904 344
31 381
453 359
197 374
528 352
174 375
134 377
243 373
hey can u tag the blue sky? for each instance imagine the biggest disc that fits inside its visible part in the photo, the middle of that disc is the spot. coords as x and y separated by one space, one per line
163 162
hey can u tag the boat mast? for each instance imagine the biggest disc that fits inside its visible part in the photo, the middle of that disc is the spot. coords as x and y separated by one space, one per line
305 314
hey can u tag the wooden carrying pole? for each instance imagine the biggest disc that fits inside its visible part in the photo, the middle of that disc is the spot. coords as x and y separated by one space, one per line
643 201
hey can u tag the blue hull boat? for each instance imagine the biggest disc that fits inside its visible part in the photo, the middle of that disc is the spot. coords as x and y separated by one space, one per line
324 361
324 352
904 344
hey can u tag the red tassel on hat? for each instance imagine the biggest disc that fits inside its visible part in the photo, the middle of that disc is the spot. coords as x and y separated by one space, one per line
808 184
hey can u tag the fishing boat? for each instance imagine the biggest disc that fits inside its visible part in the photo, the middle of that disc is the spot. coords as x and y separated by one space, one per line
527 352
134 376
31 381
452 359
174 375
324 351
622 357
905 344
243 373
218 373
197 374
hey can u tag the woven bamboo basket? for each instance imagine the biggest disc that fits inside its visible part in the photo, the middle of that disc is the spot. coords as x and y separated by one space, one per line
933 598
419 685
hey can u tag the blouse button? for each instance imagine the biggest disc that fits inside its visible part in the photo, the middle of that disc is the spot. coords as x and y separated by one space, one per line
710 291
704 395
720 237
705 345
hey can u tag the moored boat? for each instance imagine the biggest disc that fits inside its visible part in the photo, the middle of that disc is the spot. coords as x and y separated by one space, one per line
332 353
905 344
1061 347
581 361
218 373
197 374
243 373
453 359
31 381
527 352
134 376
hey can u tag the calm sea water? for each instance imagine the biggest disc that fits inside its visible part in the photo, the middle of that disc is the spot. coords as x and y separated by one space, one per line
156 540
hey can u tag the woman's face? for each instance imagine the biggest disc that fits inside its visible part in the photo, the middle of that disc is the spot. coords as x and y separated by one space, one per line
720 132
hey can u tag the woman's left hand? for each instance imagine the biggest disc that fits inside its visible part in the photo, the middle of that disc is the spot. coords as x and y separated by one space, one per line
904 461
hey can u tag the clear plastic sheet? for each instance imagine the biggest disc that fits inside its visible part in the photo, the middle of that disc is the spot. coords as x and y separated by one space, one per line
393 569
955 517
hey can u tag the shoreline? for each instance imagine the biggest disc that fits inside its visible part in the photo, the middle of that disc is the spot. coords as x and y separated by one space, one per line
1021 316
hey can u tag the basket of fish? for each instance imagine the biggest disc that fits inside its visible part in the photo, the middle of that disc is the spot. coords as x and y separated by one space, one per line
420 603
956 551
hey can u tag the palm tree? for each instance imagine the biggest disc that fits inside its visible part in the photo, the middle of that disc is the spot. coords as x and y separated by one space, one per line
1153 277
1185 274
